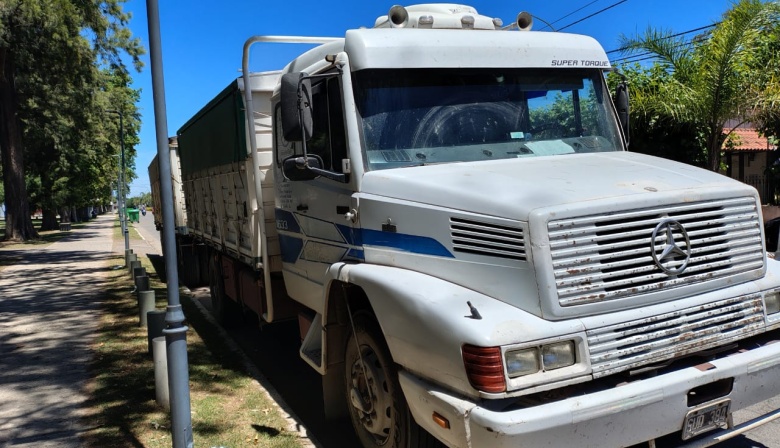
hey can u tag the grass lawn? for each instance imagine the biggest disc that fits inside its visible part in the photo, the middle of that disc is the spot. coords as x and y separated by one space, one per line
229 408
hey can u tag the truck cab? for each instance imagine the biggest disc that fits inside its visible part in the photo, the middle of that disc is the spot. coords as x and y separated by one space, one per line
449 207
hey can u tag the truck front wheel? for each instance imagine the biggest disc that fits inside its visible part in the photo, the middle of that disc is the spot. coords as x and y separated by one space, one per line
377 407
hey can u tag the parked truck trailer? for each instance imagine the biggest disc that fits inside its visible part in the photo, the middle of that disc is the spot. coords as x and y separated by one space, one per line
448 207
191 254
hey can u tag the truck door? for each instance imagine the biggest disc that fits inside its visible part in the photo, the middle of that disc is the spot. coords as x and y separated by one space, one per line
313 230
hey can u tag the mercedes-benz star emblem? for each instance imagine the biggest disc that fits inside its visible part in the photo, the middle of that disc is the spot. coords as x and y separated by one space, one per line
670 255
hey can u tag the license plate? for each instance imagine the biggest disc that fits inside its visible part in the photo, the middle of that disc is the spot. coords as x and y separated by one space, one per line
705 418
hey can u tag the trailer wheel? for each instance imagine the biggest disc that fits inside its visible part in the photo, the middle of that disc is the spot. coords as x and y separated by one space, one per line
225 310
377 408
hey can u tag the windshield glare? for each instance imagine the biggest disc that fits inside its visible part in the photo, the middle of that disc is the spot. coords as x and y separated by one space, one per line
414 117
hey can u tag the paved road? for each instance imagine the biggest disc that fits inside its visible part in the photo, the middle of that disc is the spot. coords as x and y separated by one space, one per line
48 319
143 237
274 350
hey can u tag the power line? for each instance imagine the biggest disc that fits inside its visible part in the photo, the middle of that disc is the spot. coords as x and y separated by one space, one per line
595 13
652 55
549 25
669 37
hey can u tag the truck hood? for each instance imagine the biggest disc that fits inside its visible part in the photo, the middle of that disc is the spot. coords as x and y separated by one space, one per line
514 188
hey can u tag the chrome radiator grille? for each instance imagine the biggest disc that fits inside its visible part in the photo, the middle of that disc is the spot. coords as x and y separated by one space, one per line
632 344
607 257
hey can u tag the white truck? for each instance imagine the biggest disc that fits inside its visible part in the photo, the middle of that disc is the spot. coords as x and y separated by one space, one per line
448 207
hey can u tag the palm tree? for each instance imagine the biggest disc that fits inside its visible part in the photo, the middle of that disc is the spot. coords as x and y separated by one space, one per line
713 77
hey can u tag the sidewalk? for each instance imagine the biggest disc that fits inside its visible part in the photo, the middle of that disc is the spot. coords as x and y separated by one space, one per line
49 310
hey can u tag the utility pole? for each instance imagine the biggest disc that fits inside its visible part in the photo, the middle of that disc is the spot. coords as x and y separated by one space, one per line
176 332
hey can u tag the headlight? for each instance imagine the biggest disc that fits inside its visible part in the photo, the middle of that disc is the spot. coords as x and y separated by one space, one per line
522 362
534 359
772 302
560 354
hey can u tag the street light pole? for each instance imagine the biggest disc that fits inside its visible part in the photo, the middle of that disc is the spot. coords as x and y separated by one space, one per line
121 187
176 332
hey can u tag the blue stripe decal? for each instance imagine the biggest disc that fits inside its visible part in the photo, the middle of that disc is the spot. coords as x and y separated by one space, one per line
407 243
291 248
286 221
351 235
356 254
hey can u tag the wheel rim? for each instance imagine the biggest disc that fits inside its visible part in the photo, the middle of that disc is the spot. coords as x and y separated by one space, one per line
371 401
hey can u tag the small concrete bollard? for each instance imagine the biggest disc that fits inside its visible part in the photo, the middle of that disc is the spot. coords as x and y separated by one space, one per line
141 283
160 356
128 252
131 257
145 304
134 264
137 272
155 324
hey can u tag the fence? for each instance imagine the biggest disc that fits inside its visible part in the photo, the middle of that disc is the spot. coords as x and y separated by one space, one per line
767 187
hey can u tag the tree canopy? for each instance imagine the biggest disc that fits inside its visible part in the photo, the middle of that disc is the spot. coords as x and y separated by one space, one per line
695 87
62 68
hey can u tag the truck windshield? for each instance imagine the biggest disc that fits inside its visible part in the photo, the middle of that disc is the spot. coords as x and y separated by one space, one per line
414 117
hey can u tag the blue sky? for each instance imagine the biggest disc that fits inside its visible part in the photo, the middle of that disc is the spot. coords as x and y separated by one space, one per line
202 41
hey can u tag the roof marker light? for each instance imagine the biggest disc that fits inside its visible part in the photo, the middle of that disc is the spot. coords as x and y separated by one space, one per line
425 22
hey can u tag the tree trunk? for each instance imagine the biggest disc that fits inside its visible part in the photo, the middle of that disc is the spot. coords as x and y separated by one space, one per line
49 220
18 225
715 147
64 214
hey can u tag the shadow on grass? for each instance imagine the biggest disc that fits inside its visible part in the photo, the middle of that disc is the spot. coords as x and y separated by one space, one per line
261 429
123 395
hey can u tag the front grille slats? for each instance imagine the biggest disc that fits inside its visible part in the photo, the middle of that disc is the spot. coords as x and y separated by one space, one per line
730 224
595 273
735 204
607 257
632 344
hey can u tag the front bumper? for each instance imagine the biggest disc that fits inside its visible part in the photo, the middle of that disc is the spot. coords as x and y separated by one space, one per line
621 416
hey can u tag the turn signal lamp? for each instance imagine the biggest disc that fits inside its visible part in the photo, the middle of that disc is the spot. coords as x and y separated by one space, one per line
441 420
484 368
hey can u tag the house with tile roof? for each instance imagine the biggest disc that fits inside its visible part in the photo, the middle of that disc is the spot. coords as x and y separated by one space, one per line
748 155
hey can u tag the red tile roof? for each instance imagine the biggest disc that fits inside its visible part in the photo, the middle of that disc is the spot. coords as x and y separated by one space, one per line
747 139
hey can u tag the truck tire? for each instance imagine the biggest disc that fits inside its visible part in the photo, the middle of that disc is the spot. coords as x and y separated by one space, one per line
377 407
225 310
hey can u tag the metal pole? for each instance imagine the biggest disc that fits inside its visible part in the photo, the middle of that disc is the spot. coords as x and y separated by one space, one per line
119 198
123 217
176 333
120 187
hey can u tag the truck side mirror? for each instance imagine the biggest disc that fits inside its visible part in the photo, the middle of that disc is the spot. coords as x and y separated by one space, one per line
297 168
622 106
297 122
